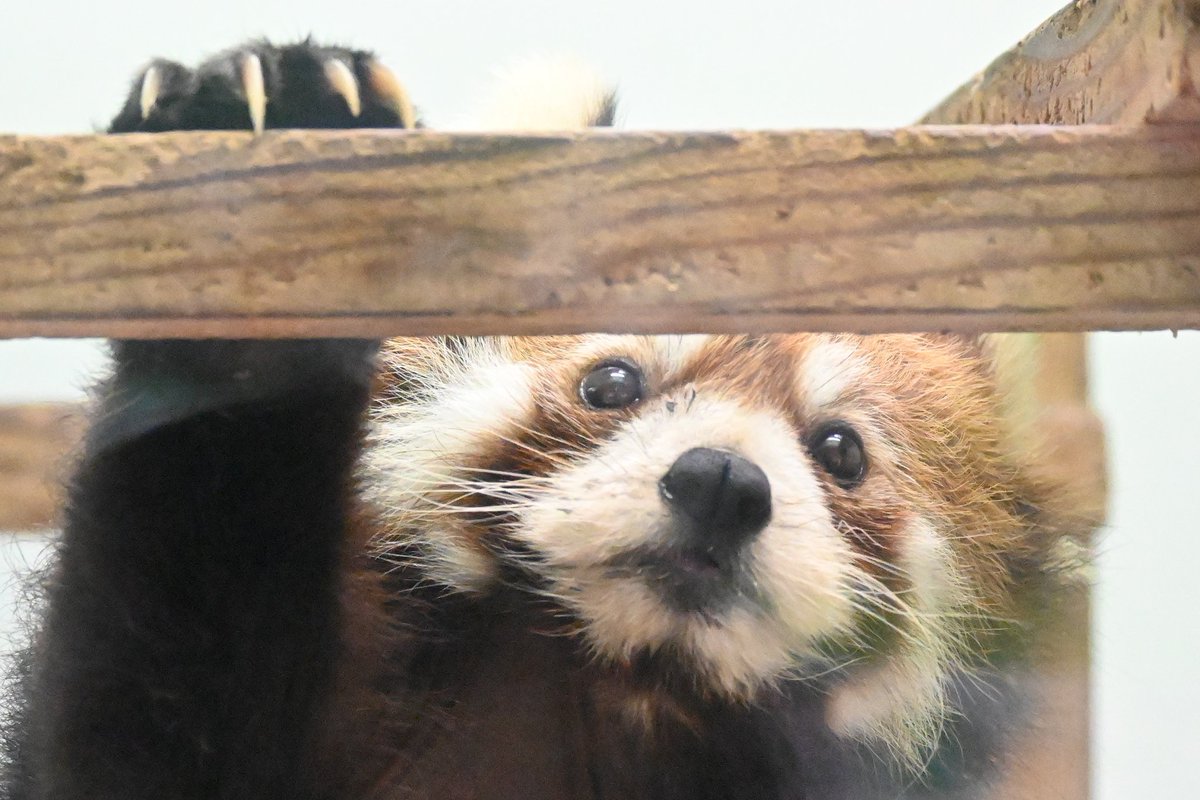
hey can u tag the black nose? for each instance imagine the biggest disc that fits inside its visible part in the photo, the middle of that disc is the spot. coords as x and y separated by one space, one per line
726 498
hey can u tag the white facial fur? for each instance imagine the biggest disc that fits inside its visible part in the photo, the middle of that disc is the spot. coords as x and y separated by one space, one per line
609 503
604 500
422 444
828 372
901 701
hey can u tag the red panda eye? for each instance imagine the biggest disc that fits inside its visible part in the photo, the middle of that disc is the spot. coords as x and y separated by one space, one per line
839 450
616 383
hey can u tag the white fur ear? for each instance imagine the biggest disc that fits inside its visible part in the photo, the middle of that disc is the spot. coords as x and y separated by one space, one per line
545 93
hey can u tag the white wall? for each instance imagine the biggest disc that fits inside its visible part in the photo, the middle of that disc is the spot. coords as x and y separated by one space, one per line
64 67
1146 644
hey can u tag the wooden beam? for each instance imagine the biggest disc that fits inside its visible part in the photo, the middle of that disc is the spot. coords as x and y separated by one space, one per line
388 233
35 441
1096 61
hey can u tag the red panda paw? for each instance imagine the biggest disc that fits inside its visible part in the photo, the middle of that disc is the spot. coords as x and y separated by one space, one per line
259 85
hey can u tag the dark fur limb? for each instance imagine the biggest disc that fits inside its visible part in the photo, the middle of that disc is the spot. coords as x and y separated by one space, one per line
193 630
211 97
193 627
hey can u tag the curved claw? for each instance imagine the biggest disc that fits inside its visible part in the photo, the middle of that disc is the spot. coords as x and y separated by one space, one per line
151 85
254 87
343 82
388 87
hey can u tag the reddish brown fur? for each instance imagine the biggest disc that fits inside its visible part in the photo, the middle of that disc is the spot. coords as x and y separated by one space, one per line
938 393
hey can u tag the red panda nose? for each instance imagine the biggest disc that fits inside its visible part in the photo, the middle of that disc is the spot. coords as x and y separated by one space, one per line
725 497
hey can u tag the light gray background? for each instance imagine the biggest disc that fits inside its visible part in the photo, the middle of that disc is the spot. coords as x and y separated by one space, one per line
64 68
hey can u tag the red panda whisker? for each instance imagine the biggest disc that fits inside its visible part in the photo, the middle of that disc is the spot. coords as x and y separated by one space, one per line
539 434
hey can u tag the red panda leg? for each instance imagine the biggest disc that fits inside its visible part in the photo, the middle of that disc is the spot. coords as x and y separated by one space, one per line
193 626
191 643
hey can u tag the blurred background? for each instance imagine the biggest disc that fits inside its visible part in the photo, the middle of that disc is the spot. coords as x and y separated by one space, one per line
65 68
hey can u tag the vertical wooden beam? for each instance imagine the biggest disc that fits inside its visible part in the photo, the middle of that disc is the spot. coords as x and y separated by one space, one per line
35 441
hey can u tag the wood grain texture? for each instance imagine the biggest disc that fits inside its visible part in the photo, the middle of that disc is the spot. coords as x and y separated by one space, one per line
1096 61
388 233
35 443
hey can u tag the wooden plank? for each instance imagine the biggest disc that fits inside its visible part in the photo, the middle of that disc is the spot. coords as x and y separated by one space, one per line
1096 61
35 442
388 233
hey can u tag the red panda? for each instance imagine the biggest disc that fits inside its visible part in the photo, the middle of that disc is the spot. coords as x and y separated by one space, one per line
761 566
742 511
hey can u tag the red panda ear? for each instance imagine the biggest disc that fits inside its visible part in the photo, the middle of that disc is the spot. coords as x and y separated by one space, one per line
1011 360
1050 570
1057 502
408 362
989 348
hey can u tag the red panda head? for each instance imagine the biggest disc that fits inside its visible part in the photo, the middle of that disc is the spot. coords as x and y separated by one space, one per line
750 509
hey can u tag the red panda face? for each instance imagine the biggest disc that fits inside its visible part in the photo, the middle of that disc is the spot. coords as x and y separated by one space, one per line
750 508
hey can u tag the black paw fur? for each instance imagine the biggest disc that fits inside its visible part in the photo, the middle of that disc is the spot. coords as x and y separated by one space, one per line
303 85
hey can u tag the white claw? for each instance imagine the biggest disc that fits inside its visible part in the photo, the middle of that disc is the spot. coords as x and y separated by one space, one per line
385 84
255 89
151 84
343 82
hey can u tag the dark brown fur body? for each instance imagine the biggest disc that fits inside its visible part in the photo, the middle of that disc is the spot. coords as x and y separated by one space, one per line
490 700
